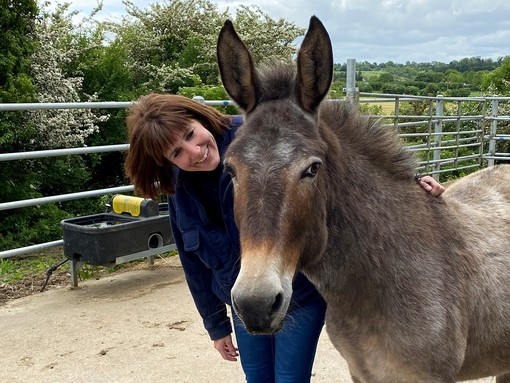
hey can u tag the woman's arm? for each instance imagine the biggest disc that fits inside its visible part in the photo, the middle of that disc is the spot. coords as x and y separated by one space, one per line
199 278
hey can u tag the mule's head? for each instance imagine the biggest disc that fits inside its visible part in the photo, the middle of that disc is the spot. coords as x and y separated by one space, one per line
275 162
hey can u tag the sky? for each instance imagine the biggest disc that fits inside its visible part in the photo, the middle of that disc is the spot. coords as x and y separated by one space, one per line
382 30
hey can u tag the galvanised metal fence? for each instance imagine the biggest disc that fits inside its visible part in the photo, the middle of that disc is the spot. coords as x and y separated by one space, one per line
451 136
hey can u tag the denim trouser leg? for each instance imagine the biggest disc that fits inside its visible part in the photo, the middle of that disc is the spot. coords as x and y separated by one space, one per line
287 356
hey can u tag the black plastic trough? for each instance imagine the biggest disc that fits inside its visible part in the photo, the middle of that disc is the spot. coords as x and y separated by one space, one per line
101 238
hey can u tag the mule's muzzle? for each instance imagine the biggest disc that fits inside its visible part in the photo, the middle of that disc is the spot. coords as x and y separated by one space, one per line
261 315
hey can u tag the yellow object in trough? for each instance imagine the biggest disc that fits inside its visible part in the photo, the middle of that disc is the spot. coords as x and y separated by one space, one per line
135 206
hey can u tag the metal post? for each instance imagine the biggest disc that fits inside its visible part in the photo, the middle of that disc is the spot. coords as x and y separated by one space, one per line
493 132
438 130
351 92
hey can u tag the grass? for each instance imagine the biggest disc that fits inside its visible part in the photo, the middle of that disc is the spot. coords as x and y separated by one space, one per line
24 276
17 269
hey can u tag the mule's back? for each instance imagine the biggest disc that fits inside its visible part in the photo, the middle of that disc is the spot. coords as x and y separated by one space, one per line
482 202
482 188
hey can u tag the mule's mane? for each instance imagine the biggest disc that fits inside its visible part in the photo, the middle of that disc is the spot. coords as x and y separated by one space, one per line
368 137
379 144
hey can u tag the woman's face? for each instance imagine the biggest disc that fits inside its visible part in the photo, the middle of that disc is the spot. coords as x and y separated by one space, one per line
196 150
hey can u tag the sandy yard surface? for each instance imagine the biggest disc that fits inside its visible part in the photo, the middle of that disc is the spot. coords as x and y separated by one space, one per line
133 326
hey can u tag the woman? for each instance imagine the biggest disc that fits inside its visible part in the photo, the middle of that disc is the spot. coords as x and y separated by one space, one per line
176 147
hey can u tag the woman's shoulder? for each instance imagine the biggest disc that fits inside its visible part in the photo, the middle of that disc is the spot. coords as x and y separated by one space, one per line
235 122
224 140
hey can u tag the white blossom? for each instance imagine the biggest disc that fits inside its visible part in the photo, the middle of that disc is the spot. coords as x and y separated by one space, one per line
58 48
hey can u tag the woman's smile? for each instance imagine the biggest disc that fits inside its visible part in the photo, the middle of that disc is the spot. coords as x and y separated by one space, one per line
206 153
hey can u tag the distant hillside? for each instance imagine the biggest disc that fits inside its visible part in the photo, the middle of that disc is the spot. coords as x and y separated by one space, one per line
458 78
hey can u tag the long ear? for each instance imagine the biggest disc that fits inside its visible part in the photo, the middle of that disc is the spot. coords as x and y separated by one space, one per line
237 69
314 66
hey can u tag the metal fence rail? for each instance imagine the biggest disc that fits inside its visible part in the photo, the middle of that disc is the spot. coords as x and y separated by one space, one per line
448 129
439 138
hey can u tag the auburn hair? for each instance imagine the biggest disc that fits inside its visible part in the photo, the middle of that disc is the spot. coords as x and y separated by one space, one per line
154 122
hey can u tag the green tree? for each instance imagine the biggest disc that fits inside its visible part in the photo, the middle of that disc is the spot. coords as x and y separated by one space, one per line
474 79
453 78
498 81
170 44
106 75
18 179
17 43
17 19
49 71
267 38
382 81
393 88
386 77
173 44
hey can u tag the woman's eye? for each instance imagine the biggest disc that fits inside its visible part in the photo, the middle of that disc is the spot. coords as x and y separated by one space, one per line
189 135
312 170
177 153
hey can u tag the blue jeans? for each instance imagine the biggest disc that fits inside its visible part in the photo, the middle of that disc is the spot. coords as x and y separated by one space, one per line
284 357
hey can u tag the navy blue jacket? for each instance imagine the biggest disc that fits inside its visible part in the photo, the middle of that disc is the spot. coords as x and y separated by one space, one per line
210 253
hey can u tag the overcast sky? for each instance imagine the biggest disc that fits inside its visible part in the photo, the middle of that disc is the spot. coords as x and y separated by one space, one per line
384 30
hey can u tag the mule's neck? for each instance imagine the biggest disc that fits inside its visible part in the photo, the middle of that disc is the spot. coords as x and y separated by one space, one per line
374 218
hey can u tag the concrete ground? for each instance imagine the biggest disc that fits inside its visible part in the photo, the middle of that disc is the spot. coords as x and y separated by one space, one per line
134 326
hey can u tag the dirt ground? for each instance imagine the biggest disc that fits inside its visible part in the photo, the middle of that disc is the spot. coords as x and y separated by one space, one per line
138 325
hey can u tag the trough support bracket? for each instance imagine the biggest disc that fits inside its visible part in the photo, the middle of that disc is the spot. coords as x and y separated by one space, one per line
73 270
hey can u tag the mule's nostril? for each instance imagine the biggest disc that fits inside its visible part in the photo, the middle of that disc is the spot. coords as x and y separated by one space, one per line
277 304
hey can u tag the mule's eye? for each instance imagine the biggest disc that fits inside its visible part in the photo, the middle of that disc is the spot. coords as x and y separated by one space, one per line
312 170
230 170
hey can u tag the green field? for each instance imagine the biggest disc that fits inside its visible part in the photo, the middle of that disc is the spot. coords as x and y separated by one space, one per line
388 108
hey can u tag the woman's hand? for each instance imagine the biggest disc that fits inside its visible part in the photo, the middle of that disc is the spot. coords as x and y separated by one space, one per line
430 185
226 348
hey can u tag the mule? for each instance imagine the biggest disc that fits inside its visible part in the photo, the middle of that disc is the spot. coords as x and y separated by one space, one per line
418 287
